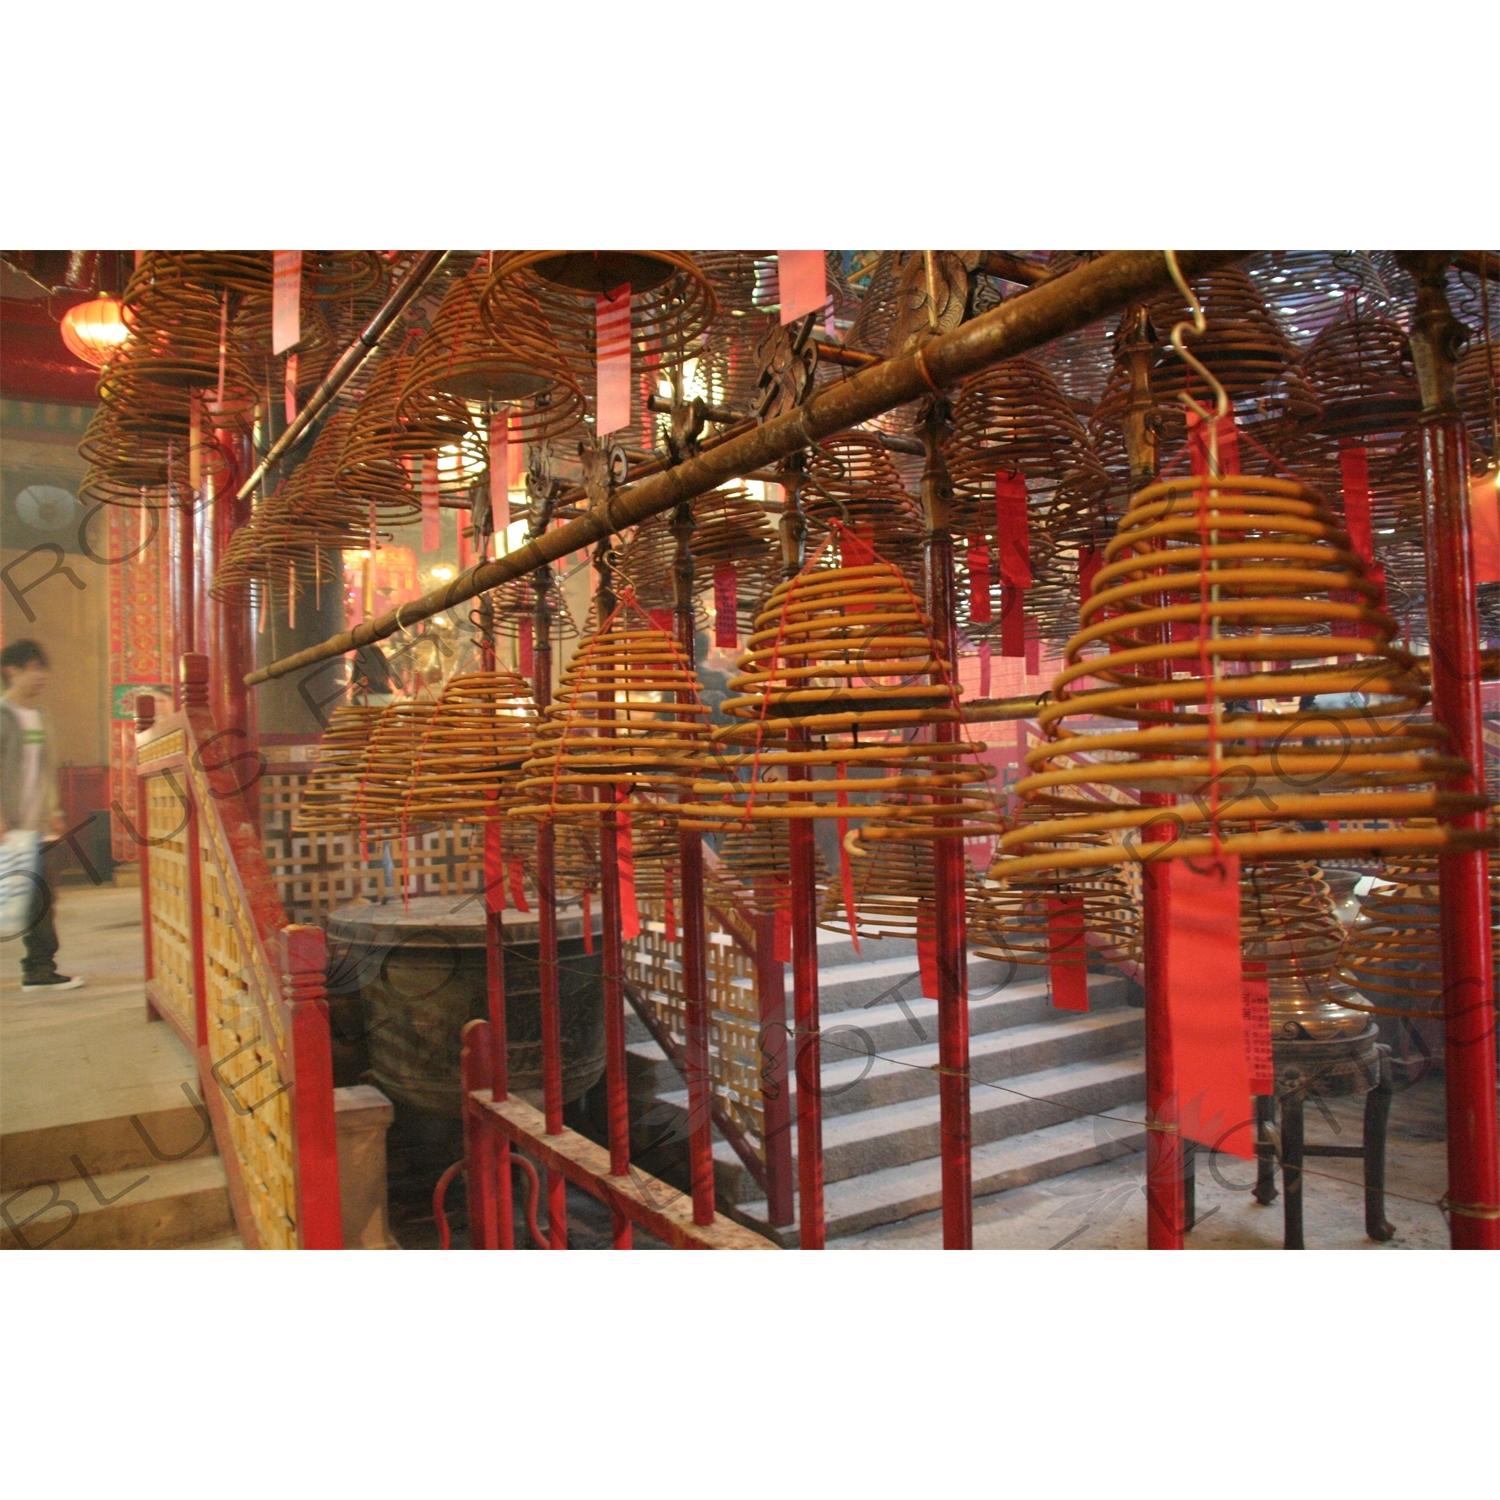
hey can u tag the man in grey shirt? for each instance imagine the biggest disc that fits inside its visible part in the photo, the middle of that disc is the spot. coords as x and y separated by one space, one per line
28 800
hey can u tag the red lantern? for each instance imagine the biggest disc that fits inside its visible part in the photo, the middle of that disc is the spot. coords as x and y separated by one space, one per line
95 331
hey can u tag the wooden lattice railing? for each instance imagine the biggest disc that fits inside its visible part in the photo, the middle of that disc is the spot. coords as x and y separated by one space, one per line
242 986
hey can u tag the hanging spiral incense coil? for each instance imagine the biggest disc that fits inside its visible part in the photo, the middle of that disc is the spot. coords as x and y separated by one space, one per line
1291 936
1359 368
731 529
895 894
851 478
877 309
1263 564
1246 350
327 802
386 777
370 470
134 451
1042 916
757 856
743 283
671 303
846 651
1393 951
627 716
510 357
645 563
471 754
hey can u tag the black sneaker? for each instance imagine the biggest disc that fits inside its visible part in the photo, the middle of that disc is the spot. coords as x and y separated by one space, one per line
56 982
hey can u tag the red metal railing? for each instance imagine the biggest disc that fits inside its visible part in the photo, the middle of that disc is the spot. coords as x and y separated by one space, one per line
242 987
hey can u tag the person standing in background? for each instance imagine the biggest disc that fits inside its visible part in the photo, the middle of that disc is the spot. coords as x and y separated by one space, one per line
28 800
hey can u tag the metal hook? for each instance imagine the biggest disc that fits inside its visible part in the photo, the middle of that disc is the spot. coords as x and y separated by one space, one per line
1221 396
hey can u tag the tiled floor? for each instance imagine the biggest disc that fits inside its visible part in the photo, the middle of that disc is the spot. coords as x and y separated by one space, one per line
87 1054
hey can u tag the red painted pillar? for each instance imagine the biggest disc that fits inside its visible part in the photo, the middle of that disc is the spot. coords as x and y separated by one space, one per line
480 1139
616 1067
304 963
1463 879
807 1049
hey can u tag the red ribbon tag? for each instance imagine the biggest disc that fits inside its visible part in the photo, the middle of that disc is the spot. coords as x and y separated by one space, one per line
1354 472
499 471
1067 966
669 905
1256 992
1205 1001
802 283
979 584
1229 444
1033 649
526 642
662 620
1012 533
518 886
726 604
856 548
289 388
612 344
630 915
846 875
1012 621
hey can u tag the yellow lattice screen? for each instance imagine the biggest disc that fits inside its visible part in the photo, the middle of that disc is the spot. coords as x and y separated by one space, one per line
171 932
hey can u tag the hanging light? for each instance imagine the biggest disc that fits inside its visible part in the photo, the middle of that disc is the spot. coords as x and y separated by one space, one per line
94 331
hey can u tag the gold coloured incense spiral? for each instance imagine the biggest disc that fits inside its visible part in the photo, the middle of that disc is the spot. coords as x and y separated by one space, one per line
327 802
1223 605
385 781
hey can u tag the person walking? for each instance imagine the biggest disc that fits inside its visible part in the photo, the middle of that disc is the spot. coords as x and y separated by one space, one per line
29 809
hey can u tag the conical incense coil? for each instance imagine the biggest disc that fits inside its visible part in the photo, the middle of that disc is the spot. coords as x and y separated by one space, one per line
1393 951
511 357
671 303
471 754
575 863
138 452
743 283
1360 370
1245 348
851 478
395 750
1046 916
895 895
327 801
381 461
757 857
1263 566
627 716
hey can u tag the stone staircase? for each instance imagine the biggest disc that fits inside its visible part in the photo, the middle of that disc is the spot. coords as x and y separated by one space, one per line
1034 1068
144 1181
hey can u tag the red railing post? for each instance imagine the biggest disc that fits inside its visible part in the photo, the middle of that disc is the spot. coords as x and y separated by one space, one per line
481 1183
616 1075
775 1080
193 693
1473 1197
145 717
304 965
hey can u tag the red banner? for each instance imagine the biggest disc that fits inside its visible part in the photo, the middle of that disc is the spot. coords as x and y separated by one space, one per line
1256 992
802 283
927 955
669 904
526 648
979 584
1354 473
1090 560
1012 621
499 471
494 868
1066 965
856 547
1033 647
1012 530
1205 1006
1229 444
289 389
612 387
518 886
662 620
726 605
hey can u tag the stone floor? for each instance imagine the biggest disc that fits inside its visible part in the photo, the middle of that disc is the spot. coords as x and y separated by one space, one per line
90 1053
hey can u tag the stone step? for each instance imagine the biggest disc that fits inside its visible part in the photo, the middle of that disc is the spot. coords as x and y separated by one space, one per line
880 981
168 1205
118 1143
896 1193
893 1135
861 1077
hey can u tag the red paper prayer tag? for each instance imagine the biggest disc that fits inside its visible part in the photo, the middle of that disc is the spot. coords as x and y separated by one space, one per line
1012 622
1066 944
669 906
1256 992
612 342
662 620
289 388
526 647
1485 512
1229 444
1090 560
630 915
494 868
432 515
1205 1001
518 886
499 471
1354 473
726 604
1033 649
979 584
856 547
286 300
802 283
1012 531
927 955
